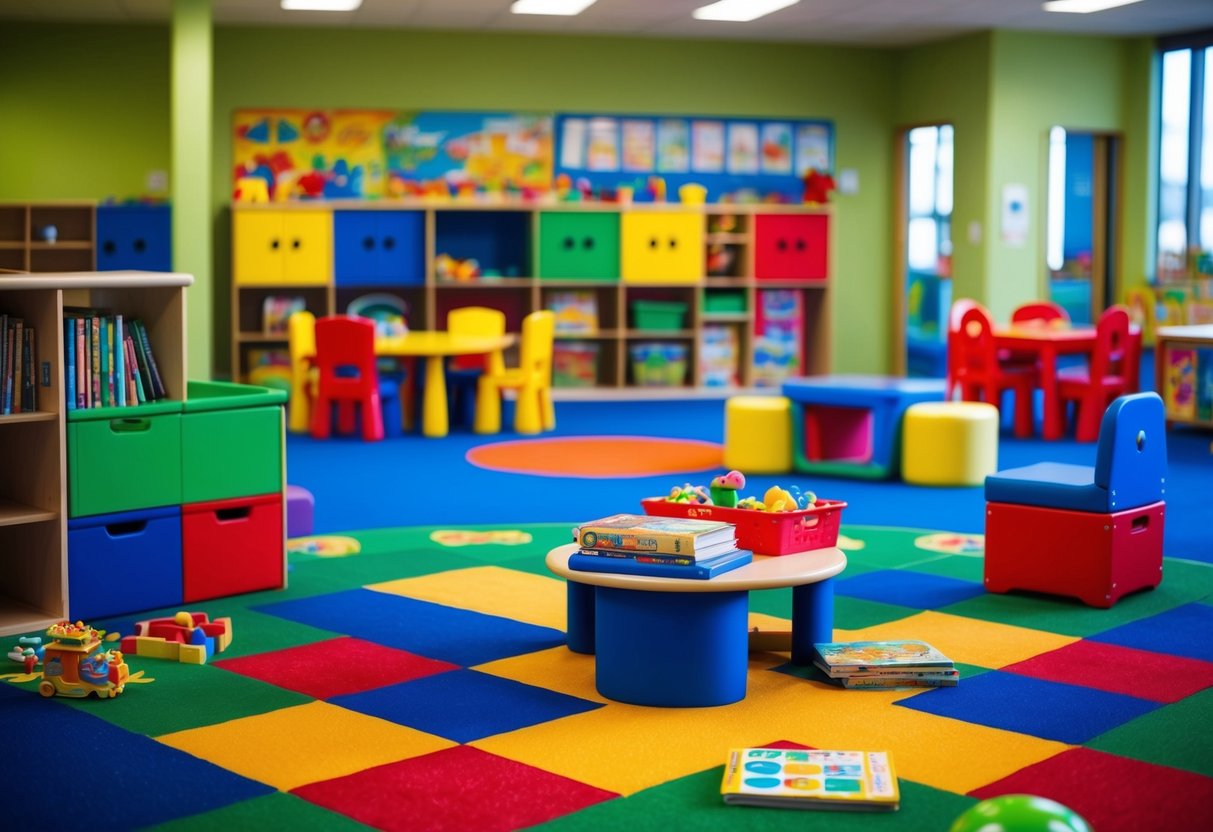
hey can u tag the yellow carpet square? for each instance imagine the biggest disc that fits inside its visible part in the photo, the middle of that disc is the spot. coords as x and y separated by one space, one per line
291 747
965 640
492 590
558 669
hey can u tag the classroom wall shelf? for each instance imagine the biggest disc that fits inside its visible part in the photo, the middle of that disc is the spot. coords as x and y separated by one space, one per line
754 279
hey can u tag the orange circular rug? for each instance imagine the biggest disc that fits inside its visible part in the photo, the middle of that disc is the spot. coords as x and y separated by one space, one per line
597 457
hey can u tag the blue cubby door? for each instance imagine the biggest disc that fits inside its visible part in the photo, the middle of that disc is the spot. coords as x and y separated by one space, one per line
137 237
378 248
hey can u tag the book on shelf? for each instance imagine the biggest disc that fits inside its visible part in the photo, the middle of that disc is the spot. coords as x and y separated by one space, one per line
858 781
644 533
14 404
842 658
29 357
656 566
108 360
276 310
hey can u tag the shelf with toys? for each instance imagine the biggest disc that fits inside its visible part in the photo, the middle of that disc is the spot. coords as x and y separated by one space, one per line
646 293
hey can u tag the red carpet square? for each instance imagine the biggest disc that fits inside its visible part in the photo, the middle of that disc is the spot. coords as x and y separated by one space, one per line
331 668
1115 793
457 788
1116 669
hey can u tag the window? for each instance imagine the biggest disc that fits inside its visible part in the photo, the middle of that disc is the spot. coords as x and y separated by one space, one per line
930 200
1185 164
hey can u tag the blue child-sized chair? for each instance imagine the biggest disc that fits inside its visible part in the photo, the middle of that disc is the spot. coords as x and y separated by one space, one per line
1093 532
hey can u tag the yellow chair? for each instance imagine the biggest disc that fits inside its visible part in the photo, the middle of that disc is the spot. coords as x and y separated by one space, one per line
464 371
532 378
301 341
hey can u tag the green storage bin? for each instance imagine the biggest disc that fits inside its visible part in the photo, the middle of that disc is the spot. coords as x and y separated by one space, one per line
124 458
231 441
579 246
724 302
658 314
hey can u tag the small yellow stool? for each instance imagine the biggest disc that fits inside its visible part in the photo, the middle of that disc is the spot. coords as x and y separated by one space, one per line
758 434
949 443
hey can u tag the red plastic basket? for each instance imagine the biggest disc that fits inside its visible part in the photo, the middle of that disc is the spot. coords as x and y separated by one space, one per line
765 532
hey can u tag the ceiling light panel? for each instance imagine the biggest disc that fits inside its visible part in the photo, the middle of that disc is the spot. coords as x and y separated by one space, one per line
740 11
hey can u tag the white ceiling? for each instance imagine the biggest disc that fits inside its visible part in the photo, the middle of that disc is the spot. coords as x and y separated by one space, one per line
866 22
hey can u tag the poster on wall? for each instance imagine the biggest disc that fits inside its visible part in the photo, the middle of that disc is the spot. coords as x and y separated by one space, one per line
354 154
603 152
745 159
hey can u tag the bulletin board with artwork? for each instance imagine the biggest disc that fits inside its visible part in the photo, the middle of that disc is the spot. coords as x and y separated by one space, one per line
353 154
730 157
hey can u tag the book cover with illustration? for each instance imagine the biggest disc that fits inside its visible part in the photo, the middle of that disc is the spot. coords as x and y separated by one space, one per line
811 779
846 657
641 532
1179 383
655 566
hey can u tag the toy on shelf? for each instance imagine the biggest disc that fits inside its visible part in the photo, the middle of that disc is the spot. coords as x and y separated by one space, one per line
187 637
449 268
817 186
73 666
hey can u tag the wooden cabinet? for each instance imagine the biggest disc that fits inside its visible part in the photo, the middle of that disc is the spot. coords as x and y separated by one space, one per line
283 247
33 446
134 238
47 236
748 284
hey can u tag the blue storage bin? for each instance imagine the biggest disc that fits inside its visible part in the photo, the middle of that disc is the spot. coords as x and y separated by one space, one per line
122 563
378 248
138 237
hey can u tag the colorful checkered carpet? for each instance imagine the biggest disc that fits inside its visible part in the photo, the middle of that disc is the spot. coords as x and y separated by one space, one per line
421 685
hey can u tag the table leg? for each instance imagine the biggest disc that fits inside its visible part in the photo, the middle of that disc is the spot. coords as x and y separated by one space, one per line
434 419
812 618
1051 425
579 630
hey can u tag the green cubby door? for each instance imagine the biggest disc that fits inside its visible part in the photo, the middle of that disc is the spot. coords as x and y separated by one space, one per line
579 245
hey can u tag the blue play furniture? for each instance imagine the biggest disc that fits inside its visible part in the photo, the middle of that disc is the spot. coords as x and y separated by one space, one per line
850 425
1093 532
136 237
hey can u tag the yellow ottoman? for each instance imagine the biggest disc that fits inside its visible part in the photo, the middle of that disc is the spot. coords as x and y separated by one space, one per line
949 443
758 434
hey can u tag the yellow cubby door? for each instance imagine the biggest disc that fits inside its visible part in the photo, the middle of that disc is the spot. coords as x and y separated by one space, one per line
662 247
257 247
307 247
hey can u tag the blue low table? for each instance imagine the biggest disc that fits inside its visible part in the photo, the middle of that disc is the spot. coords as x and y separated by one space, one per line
850 425
685 643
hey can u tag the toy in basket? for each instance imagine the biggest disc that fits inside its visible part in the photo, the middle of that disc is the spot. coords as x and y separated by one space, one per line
784 522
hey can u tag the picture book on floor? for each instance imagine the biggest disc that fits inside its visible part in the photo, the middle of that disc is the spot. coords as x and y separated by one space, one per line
811 779
660 566
639 532
885 664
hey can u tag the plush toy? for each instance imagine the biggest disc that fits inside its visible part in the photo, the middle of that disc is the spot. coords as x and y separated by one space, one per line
817 186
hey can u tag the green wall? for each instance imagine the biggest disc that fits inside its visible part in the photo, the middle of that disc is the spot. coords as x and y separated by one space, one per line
84 113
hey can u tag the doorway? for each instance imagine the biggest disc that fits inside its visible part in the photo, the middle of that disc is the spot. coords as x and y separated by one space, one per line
925 247
1082 221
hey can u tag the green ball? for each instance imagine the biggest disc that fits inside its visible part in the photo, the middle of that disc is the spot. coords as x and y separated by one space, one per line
1020 813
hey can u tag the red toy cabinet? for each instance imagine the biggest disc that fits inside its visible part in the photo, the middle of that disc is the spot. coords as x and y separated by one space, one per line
791 246
1095 557
232 546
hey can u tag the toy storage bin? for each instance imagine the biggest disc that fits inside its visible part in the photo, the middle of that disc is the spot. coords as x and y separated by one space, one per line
232 546
765 532
659 364
124 458
574 364
224 422
726 301
122 563
658 314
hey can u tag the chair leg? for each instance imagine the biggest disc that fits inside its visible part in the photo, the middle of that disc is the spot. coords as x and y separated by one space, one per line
527 410
372 418
393 422
1023 411
488 407
322 415
549 409
1090 414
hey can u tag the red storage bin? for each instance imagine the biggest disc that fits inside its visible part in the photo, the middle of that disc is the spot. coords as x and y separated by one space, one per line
232 546
765 532
791 246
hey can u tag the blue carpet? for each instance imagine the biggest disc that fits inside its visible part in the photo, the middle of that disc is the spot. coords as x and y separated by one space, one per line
414 481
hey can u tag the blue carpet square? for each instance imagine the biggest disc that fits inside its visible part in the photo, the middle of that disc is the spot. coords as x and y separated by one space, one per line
918 590
461 637
1051 710
1183 631
464 705
52 737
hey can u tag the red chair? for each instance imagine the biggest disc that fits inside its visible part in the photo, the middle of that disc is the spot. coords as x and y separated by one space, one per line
958 310
347 377
1037 312
981 377
1108 374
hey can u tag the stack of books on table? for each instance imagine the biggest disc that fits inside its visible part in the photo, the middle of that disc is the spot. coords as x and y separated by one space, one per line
657 547
886 664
